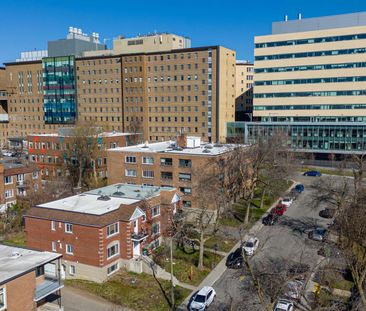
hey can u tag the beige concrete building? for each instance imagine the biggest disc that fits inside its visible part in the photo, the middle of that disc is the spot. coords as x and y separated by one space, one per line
156 42
244 91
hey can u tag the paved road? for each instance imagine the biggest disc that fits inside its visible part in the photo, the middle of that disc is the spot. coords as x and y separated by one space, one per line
279 244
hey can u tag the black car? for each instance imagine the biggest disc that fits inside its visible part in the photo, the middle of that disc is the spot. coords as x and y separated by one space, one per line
270 219
235 259
327 213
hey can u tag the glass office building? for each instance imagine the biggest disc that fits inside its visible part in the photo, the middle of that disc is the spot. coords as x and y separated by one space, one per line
59 90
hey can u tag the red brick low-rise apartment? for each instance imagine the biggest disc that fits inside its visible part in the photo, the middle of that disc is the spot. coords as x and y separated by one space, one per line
28 279
102 230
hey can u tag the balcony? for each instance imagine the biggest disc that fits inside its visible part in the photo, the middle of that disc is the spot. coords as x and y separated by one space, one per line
138 236
21 184
47 287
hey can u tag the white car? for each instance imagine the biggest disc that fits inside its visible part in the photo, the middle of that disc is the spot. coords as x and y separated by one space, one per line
287 201
284 305
251 246
202 299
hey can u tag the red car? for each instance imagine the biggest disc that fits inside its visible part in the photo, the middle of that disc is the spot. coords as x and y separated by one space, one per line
280 209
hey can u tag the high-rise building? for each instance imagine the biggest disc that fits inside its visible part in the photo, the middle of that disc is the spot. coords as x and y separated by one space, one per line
244 91
310 83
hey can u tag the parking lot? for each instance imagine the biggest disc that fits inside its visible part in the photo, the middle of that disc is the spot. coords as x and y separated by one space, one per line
286 241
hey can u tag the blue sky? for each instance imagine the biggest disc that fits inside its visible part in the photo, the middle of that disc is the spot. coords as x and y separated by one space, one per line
28 24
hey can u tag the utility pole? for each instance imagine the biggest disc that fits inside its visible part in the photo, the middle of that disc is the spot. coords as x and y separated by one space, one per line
171 272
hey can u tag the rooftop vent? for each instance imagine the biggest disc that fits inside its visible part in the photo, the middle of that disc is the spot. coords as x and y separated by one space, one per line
206 151
15 255
103 198
118 193
218 145
208 147
137 190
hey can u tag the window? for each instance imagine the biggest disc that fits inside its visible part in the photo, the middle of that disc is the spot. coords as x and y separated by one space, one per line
53 225
155 211
130 173
39 271
112 229
68 228
148 174
54 246
130 159
69 249
8 180
9 194
112 251
2 298
185 163
187 203
72 270
185 190
155 229
184 177
166 161
112 269
147 160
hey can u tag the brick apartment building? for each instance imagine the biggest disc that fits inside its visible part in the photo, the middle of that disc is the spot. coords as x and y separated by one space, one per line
102 230
155 92
50 150
170 163
16 180
28 278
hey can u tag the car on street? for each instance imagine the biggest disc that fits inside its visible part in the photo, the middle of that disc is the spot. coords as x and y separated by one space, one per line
284 305
318 234
270 219
327 213
202 299
286 201
235 259
279 209
294 289
299 188
313 173
251 246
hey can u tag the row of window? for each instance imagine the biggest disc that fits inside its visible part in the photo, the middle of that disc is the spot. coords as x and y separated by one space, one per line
311 94
312 67
311 81
163 161
164 175
311 107
311 40
312 54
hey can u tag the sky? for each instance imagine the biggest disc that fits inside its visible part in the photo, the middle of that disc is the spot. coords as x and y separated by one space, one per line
27 25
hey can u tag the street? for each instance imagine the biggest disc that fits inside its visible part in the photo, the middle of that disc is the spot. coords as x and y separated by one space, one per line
282 243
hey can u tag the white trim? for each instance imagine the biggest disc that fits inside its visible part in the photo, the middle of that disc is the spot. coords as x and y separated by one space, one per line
112 244
67 252
4 293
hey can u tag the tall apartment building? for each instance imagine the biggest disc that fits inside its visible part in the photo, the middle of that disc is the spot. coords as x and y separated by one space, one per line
158 89
102 230
29 279
310 81
244 91
177 164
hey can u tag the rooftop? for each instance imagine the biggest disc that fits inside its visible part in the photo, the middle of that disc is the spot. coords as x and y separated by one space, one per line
69 133
170 147
14 261
106 199
319 23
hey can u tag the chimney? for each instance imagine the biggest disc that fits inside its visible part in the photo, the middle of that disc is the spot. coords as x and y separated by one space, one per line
285 18
182 140
299 16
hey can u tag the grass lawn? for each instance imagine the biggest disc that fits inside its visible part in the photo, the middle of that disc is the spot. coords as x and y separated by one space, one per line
328 171
15 239
185 264
223 244
136 291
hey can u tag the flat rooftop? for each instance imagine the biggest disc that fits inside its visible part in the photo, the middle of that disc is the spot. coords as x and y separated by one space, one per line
15 261
170 148
106 199
320 23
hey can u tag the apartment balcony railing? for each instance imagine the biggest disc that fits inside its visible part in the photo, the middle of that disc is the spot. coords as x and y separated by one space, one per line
47 287
138 236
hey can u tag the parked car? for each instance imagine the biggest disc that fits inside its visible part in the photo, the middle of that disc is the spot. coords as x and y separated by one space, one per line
235 259
318 234
294 289
286 201
202 299
251 246
284 305
299 188
327 213
313 173
279 210
270 219
293 194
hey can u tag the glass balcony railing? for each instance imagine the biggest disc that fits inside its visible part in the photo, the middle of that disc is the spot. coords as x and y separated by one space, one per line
47 287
